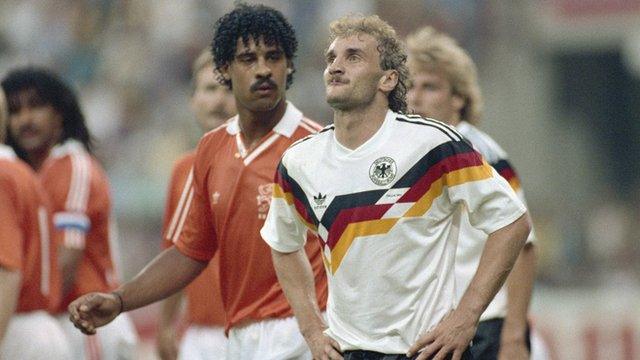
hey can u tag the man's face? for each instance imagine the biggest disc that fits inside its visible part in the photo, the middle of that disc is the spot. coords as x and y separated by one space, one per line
258 74
211 102
34 125
431 95
353 71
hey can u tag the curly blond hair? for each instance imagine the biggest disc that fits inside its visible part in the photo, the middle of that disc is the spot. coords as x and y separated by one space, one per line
392 54
432 50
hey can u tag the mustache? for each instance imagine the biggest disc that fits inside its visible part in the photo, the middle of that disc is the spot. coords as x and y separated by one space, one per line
261 82
337 78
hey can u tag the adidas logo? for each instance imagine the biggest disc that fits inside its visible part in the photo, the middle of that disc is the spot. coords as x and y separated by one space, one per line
319 199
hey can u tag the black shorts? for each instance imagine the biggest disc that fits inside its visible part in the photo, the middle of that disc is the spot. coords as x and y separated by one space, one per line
372 355
486 342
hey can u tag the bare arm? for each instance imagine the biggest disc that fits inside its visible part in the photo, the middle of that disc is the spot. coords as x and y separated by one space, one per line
9 291
68 259
456 330
519 290
166 274
167 342
296 278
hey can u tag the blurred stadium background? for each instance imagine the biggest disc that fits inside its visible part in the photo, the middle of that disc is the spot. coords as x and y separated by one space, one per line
561 81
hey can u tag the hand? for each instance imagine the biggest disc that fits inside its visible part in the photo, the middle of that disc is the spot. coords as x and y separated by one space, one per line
323 347
94 310
452 336
167 344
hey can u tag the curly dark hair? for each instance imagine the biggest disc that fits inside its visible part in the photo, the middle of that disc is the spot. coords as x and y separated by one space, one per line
252 21
50 89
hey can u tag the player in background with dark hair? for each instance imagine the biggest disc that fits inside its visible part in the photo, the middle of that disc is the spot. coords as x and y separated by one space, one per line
29 273
229 197
445 87
213 104
47 129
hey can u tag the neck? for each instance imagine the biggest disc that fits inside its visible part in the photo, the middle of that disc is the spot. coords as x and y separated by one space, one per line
354 127
454 121
255 125
36 158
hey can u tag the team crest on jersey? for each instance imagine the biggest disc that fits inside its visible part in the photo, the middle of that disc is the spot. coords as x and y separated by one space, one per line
383 171
264 200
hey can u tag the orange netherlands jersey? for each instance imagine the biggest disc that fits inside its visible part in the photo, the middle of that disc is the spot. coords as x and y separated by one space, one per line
204 302
25 234
79 192
226 208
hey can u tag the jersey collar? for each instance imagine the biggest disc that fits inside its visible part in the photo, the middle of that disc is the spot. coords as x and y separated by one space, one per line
285 127
70 146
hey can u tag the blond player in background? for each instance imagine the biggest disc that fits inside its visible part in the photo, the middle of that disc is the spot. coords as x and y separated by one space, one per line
213 104
445 87
47 130
29 274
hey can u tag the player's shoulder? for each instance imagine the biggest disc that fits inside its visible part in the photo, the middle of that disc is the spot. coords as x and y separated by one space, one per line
217 135
482 142
184 164
419 130
308 144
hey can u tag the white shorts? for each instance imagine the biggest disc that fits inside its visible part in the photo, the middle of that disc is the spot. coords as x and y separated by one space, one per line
203 342
117 340
34 335
273 339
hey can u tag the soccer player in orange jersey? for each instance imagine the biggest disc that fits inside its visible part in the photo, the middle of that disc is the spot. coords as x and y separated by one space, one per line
47 129
213 104
229 198
29 274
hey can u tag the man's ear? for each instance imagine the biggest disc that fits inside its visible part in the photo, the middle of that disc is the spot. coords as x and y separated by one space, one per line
388 81
224 72
458 102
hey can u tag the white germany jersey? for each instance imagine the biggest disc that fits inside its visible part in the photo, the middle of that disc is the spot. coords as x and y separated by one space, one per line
388 215
471 242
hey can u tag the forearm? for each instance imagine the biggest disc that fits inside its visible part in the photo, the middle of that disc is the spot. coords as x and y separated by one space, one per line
9 292
497 260
68 260
163 276
296 278
519 290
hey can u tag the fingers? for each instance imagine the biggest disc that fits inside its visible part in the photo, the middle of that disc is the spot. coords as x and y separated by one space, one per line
331 352
428 338
80 314
457 354
90 302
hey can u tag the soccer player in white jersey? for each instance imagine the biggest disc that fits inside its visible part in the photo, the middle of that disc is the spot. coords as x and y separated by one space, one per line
445 87
386 193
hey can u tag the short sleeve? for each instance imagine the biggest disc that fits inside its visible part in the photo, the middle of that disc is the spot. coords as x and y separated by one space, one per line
177 194
69 184
11 233
470 180
194 234
509 173
284 229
